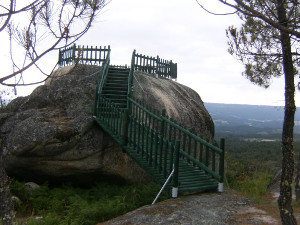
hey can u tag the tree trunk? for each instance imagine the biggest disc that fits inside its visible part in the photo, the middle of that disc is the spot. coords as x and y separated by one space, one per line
287 145
6 205
297 180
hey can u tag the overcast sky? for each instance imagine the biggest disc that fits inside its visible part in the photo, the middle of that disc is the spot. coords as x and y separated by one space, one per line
179 30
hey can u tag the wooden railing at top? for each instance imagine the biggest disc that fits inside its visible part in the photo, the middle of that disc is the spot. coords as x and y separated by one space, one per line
84 55
154 65
157 66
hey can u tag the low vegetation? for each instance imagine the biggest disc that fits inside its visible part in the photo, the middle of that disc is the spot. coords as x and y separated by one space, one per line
77 206
252 162
250 166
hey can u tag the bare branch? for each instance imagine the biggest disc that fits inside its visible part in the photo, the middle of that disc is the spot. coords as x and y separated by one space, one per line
59 27
216 14
250 11
11 9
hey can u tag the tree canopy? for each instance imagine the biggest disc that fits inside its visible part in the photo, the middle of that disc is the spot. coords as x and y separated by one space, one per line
267 43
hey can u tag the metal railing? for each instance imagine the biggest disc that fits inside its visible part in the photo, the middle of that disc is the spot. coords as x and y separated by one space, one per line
159 140
151 137
163 133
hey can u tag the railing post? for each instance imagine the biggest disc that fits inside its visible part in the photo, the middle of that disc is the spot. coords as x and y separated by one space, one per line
173 70
73 53
221 165
157 67
161 145
130 78
176 170
59 58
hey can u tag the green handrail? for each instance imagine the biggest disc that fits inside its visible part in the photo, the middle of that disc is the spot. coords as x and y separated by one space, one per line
130 78
103 76
168 131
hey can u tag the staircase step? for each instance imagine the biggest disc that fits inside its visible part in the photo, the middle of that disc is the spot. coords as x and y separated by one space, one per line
115 96
116 91
112 88
115 84
118 69
123 75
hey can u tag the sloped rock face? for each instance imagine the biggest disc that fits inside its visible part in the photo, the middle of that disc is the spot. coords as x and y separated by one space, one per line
50 135
180 102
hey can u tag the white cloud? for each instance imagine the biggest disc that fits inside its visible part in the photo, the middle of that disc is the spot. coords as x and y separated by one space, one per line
181 31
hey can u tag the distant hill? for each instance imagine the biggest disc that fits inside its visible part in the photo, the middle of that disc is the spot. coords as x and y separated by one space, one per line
242 119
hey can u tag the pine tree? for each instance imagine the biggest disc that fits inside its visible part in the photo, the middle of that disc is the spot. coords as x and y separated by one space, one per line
267 44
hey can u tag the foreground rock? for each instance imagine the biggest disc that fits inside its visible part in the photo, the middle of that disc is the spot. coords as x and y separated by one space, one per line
227 208
50 135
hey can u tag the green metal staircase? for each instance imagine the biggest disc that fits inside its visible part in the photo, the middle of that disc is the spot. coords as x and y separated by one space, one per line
116 86
157 143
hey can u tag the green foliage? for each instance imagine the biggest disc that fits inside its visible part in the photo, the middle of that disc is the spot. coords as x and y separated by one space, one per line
257 44
251 165
77 206
252 180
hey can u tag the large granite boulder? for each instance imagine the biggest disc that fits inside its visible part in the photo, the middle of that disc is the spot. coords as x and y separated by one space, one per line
50 135
180 102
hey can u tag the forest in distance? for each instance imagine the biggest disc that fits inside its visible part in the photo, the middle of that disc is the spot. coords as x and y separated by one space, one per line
252 132
250 121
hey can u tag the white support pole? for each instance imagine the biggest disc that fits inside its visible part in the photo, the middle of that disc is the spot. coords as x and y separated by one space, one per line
174 192
221 187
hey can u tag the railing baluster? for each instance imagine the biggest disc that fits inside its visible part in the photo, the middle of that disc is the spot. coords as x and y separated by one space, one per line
222 159
184 142
139 138
189 145
136 128
143 139
155 149
130 130
213 163
151 148
170 133
195 150
165 147
171 152
176 170
160 166
207 155
147 127
201 151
